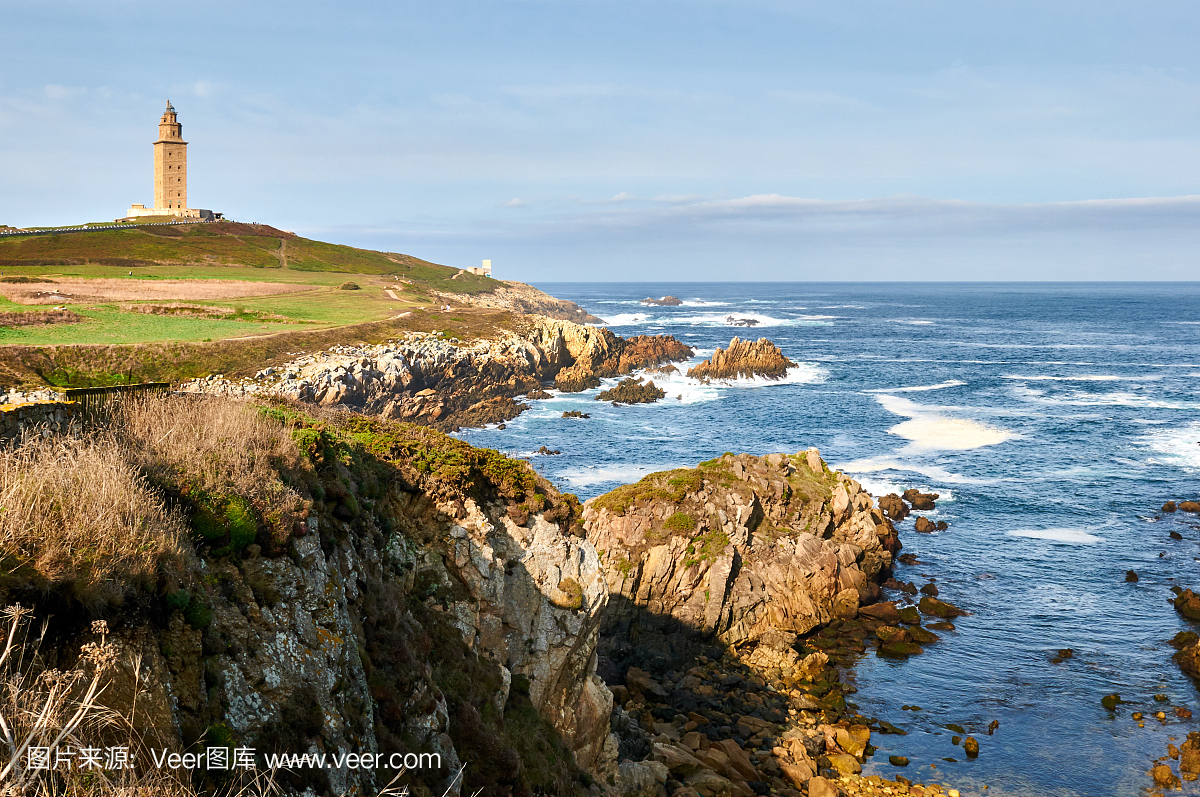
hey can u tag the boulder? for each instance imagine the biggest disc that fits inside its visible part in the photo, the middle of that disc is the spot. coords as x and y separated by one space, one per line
680 762
844 764
797 774
889 633
1189 754
924 525
939 608
1164 778
920 501
900 649
894 507
744 359
897 760
930 589
883 612
666 301
971 747
1190 506
642 778
1131 577
1188 604
822 787
942 525
1169 506
707 783
1189 660
640 683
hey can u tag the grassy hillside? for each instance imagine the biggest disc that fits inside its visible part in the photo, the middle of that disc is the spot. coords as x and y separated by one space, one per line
80 271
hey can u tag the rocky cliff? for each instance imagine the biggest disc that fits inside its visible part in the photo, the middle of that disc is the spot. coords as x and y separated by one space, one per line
383 589
735 550
447 383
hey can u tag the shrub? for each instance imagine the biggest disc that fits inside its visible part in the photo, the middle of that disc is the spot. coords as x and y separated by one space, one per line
78 515
349 286
680 522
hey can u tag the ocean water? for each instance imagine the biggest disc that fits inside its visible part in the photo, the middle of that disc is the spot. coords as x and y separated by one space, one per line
1053 419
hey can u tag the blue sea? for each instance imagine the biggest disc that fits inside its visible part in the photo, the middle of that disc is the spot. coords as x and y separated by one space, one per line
1053 420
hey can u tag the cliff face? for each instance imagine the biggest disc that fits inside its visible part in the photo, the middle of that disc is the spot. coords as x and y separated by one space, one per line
736 550
434 598
448 384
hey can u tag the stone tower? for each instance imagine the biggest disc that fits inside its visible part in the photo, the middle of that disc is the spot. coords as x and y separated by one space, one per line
170 164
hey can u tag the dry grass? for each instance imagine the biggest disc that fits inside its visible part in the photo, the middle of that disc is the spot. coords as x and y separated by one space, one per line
78 514
212 450
128 290
38 318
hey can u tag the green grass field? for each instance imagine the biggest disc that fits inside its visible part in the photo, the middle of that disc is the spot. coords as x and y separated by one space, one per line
114 342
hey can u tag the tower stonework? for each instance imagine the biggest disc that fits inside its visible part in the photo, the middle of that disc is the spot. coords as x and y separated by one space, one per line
170 164
170 175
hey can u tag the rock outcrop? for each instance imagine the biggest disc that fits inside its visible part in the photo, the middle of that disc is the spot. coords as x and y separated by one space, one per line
632 391
447 383
521 298
744 358
735 550
666 301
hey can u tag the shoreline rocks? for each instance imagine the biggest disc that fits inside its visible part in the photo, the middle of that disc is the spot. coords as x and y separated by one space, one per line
666 301
744 358
428 379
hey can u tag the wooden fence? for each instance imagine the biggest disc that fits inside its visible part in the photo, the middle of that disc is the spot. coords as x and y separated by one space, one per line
94 399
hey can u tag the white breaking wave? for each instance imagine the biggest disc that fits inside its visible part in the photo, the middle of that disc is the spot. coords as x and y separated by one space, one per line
716 320
703 303
624 474
929 428
918 388
1116 399
1084 378
932 472
624 320
1073 536
1179 447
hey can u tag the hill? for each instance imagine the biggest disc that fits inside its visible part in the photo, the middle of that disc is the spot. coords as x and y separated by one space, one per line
107 305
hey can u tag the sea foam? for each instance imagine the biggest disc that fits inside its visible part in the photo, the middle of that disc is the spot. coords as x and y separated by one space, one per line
929 428
1071 536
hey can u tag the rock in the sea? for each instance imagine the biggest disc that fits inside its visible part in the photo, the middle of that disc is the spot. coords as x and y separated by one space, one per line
883 612
1164 777
900 649
1131 577
666 301
924 525
1111 702
744 358
897 760
939 608
942 525
1190 506
930 589
1189 754
576 414
1184 639
1188 604
1175 535
920 501
908 559
971 747
894 507
633 391
1169 506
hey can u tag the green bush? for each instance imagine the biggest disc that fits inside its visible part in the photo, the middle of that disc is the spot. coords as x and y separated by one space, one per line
680 522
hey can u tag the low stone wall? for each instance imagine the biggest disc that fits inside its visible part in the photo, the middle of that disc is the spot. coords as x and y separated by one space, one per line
48 417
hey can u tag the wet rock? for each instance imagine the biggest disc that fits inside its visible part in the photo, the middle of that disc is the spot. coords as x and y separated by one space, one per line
1188 604
971 747
744 359
1131 577
547 451
923 525
538 395
894 507
844 764
942 525
1169 506
1189 754
910 616
921 502
575 414
1189 660
892 634
930 589
632 391
1175 535
1190 506
922 636
939 608
900 649
1111 702
1182 712
883 612
992 726
908 559
666 301
1184 639
897 760
1164 777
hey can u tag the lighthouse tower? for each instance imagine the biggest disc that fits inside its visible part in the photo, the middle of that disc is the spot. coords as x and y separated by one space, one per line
170 173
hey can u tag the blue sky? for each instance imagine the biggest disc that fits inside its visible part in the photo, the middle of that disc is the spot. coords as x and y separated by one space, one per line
656 140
